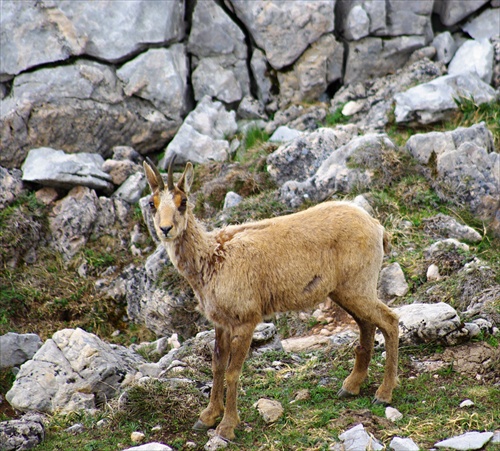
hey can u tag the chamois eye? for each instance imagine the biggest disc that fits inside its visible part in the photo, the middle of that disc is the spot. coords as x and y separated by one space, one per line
152 205
182 207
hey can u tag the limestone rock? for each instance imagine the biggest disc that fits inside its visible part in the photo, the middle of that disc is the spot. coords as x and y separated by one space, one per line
50 167
115 33
473 57
449 227
403 444
452 11
433 101
348 166
357 439
426 146
71 364
484 26
445 47
72 220
283 30
11 186
51 36
469 440
201 137
24 433
16 349
392 282
153 446
86 95
373 57
320 65
159 76
269 409
211 79
260 71
301 157
220 51
425 323
284 134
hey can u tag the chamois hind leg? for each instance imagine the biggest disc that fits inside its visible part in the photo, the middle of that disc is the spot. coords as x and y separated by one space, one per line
363 355
372 311
388 323
220 358
241 337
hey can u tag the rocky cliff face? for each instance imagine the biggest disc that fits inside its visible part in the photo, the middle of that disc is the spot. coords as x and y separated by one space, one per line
84 77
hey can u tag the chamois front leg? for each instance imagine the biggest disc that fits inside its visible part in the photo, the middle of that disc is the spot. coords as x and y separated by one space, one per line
363 353
240 343
220 357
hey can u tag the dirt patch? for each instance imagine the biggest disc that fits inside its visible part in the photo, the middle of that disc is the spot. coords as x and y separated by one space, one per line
371 422
478 360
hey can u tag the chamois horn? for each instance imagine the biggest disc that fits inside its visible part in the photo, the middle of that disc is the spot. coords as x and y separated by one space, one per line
170 178
159 179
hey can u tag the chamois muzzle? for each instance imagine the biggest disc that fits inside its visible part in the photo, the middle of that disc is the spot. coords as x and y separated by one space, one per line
166 230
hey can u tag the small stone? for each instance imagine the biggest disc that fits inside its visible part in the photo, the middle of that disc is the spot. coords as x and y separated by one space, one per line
302 395
393 414
269 409
466 403
137 437
75 429
156 428
356 439
352 107
433 273
215 442
403 444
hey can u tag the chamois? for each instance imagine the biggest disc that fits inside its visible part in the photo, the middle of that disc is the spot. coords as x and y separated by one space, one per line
242 273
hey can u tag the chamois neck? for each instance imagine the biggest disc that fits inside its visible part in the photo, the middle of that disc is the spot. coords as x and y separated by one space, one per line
192 251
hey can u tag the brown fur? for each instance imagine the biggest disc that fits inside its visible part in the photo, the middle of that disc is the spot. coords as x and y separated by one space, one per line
242 273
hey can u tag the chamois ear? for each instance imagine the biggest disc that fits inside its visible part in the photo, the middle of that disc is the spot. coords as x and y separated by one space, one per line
186 180
153 176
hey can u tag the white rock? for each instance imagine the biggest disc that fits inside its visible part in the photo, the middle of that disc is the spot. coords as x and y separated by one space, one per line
473 57
445 47
215 442
393 414
433 101
352 107
484 26
153 446
433 273
469 440
299 344
466 403
285 134
392 281
403 444
357 439
202 136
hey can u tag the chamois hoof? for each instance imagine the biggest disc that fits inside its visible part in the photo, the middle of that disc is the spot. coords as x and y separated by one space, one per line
380 402
200 426
343 393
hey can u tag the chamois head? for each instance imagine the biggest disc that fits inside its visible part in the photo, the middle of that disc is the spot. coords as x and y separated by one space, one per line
168 203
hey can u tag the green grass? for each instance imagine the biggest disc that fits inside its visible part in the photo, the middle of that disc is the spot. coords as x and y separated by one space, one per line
429 403
336 117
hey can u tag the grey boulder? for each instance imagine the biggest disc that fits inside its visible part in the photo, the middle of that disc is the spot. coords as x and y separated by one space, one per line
73 370
51 167
16 349
433 101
